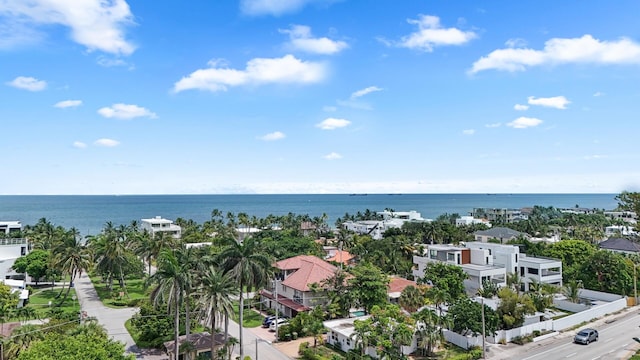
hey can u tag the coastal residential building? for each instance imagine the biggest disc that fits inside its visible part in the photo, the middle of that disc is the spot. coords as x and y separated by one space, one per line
396 286
491 262
292 286
502 234
628 216
578 210
335 255
158 224
620 230
499 214
476 263
620 245
470 220
20 287
390 220
8 227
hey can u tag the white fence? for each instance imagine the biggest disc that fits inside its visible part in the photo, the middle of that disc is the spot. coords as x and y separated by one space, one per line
588 315
462 341
508 335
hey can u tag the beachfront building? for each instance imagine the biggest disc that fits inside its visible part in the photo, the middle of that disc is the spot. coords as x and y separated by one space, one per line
501 234
628 216
20 287
620 230
292 285
390 220
158 224
9 227
499 214
470 220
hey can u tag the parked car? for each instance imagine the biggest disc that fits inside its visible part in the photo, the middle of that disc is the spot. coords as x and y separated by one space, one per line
280 322
585 336
267 321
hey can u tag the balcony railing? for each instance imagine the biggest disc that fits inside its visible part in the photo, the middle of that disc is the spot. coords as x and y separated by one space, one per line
11 241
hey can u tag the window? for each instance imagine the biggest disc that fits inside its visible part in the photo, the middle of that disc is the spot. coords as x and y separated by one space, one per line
297 296
433 254
451 256
521 270
516 257
532 271
23 251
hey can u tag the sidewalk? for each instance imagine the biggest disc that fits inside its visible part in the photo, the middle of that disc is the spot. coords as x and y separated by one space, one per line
112 319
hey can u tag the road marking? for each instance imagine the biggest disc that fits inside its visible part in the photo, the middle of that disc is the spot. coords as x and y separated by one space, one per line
608 340
596 358
624 345
570 355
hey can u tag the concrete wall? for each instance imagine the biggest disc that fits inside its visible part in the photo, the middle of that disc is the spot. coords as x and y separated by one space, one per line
598 295
569 306
462 341
587 315
508 335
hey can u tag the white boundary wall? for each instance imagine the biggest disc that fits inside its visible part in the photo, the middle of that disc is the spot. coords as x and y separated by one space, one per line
462 341
508 335
588 315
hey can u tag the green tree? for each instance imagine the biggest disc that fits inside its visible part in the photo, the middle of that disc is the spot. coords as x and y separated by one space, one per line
71 256
447 277
513 308
609 272
573 253
629 201
369 285
35 263
214 295
249 266
466 317
429 330
412 299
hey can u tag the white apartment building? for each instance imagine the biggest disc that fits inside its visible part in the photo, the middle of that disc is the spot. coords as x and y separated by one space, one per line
158 224
619 230
499 214
11 249
376 228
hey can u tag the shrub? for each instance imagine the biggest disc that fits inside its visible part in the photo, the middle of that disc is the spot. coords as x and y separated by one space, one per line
475 354
536 333
302 347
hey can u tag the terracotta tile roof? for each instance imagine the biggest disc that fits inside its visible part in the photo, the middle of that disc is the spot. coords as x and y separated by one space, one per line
397 284
286 301
346 257
308 270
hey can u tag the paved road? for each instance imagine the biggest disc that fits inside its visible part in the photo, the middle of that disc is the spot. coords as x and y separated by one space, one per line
616 342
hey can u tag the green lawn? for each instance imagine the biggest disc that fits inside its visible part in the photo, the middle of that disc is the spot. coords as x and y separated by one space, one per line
250 318
134 291
39 300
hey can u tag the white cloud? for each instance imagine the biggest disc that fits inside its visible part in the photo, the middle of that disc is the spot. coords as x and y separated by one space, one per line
106 142
272 7
79 144
468 132
301 39
515 43
111 62
494 125
333 123
524 122
365 91
595 157
585 49
598 94
96 24
520 107
329 108
431 34
276 135
126 112
286 69
68 103
28 83
333 156
558 102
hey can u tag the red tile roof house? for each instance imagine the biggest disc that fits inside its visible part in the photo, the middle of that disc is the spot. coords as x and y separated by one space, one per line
395 287
294 277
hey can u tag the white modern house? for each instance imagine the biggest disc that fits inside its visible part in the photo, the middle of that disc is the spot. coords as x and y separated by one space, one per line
619 230
8 227
502 234
499 214
491 262
19 286
476 263
470 220
158 224
390 220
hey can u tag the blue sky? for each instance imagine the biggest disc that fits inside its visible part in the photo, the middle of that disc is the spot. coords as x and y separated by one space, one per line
319 96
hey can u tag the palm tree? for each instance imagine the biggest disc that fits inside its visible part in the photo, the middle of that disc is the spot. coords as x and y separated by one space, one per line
170 278
21 338
514 281
412 299
248 266
429 330
110 249
572 290
214 294
71 256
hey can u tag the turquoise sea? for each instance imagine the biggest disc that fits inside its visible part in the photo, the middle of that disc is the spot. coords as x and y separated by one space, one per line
89 213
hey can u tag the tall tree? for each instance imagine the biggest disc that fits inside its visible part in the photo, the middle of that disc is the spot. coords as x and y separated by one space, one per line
249 266
369 285
71 256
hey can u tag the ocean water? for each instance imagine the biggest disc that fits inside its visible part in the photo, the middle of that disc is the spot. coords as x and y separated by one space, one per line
89 213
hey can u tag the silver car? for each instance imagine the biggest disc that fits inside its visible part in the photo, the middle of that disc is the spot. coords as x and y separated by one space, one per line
585 336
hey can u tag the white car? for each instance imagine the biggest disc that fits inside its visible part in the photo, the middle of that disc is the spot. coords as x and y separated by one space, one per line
280 322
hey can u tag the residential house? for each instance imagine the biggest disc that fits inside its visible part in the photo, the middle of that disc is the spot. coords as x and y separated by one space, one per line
396 286
158 224
335 255
476 263
578 210
8 227
390 220
628 216
499 214
292 286
20 287
542 270
619 230
502 234
201 345
470 220
620 245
